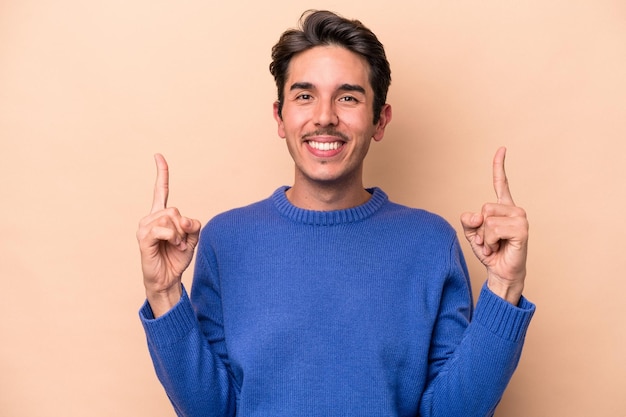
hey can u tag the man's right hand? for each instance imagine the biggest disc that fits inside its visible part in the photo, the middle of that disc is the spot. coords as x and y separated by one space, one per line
167 241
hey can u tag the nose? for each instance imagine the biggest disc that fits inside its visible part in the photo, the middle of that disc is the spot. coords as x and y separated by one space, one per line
325 113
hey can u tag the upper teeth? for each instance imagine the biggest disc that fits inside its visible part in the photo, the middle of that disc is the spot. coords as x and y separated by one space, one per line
325 146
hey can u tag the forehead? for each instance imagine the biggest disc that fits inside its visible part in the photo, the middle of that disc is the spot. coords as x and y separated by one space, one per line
328 65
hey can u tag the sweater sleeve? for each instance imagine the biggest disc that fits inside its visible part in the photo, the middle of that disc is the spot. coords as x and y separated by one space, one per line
474 376
194 377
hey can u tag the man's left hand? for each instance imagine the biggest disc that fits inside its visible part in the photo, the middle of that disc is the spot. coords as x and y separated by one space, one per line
498 236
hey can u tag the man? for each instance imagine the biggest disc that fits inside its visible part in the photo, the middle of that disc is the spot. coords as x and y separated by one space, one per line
327 299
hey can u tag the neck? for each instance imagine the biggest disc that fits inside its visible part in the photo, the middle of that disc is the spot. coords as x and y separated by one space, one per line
327 197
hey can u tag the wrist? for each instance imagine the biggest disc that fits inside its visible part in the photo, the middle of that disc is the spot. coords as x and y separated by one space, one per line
162 301
508 291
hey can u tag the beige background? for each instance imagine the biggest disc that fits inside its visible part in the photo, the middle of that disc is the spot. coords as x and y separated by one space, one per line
90 90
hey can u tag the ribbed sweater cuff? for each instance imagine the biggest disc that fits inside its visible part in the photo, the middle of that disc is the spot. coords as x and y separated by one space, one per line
501 317
170 327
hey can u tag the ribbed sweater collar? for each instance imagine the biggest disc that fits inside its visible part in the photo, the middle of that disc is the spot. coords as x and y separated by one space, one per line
328 218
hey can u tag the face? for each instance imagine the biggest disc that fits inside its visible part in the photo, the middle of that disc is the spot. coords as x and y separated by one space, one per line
327 116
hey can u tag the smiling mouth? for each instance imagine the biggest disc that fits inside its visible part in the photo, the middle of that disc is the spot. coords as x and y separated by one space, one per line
325 146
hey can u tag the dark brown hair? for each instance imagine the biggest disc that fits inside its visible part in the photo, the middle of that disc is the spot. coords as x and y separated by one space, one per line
321 27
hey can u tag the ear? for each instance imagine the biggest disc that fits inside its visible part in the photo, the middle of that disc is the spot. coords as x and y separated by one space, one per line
383 121
279 120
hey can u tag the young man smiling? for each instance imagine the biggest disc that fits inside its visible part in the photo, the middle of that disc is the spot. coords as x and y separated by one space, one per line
327 120
326 298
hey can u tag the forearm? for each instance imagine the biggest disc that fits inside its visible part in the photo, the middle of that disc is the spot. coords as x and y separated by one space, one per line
474 378
194 377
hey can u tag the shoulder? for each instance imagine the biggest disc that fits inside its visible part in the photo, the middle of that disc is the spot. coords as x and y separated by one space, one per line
236 215
240 218
416 218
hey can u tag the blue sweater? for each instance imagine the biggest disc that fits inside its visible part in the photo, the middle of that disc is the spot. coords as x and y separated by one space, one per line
358 312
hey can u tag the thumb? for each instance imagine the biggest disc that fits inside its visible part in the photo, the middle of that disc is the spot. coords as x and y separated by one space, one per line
471 223
192 228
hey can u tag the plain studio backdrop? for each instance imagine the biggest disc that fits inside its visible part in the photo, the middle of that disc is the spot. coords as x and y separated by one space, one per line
90 90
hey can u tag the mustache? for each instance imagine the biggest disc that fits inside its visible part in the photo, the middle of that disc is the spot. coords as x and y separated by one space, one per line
328 131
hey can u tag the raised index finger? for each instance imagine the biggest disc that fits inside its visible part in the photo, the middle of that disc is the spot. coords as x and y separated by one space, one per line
161 187
500 182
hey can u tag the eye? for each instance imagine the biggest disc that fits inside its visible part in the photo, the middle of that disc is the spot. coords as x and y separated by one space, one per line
349 99
304 97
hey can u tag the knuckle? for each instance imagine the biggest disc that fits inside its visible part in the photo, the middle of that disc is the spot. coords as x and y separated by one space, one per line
163 221
488 209
172 212
491 223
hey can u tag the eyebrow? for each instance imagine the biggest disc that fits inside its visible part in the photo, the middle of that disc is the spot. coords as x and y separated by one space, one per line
301 86
343 87
352 87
